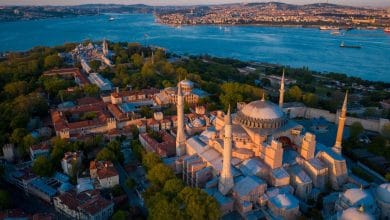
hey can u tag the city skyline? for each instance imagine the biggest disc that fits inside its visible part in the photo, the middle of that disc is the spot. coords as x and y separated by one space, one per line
364 3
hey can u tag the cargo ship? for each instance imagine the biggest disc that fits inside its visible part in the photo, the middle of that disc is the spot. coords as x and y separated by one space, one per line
342 45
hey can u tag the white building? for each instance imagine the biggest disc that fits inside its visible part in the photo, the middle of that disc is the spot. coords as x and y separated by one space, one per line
105 173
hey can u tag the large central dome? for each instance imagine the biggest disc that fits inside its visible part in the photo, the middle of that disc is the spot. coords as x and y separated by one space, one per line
262 110
261 114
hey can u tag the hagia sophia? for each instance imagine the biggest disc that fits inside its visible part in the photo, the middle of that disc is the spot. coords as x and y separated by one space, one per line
258 159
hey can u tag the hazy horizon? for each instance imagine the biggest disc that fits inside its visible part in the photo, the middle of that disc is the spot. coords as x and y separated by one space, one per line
361 3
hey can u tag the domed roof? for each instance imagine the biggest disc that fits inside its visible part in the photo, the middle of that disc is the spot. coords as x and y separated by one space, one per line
186 83
358 197
262 109
356 214
383 192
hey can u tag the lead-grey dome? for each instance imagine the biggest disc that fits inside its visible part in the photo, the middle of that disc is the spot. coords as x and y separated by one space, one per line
261 114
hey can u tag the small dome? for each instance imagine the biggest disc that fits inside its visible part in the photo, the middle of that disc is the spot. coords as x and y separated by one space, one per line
187 83
383 192
262 110
356 214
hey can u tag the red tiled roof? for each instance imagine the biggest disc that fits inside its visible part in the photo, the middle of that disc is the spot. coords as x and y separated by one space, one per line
95 205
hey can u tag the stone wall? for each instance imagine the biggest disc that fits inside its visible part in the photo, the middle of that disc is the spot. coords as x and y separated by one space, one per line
309 113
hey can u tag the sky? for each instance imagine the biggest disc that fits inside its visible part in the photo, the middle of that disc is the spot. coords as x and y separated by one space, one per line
367 3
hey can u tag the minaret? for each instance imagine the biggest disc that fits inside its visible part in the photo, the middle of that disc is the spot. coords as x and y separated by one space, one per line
226 181
281 91
180 136
343 116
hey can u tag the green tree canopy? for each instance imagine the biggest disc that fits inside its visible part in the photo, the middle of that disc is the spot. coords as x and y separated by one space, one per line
294 93
105 154
159 174
355 129
15 89
52 61
5 199
150 159
42 166
137 60
120 215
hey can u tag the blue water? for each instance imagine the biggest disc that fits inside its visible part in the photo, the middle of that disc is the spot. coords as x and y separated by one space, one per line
297 47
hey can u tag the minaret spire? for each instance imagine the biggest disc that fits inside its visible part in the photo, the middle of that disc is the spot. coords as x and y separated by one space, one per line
281 91
180 136
226 181
343 116
263 97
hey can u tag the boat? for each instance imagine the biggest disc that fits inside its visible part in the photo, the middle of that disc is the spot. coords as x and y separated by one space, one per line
342 45
335 32
387 30
111 19
329 28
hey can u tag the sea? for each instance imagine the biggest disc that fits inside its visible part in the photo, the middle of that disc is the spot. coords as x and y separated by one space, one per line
293 46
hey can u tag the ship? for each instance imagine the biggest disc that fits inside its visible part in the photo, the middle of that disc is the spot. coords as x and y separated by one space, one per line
342 45
111 19
387 30
329 28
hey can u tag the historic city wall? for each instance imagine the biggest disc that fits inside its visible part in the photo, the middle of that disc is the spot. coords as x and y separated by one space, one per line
309 113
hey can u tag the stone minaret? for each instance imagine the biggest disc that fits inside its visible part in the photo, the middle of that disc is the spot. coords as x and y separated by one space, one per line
281 92
343 116
180 136
226 181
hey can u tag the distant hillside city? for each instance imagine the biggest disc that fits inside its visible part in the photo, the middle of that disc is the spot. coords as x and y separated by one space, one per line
117 130
271 13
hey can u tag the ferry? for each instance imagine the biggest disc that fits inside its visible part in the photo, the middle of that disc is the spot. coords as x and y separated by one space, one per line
329 28
387 30
342 45
335 32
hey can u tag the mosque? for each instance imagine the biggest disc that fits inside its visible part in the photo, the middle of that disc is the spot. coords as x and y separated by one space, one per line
257 157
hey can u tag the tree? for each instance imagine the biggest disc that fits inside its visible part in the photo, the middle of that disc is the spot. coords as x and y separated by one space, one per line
162 208
310 99
120 215
5 199
106 154
91 90
18 134
137 60
181 73
294 93
15 89
198 205
52 61
95 64
150 159
159 174
172 187
355 129
42 166
130 183
386 130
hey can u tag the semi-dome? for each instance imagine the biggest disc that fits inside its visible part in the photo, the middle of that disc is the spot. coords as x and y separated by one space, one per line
356 214
261 114
383 192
